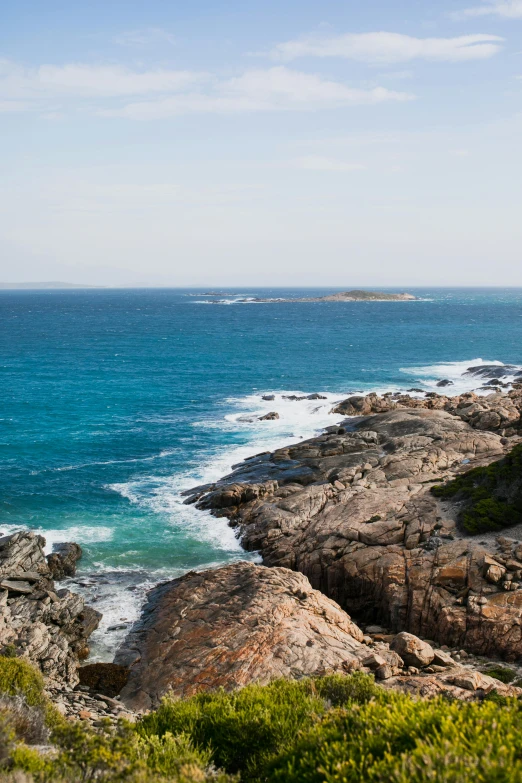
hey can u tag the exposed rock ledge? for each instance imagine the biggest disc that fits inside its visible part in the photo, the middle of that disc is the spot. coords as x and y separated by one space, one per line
49 627
247 623
351 509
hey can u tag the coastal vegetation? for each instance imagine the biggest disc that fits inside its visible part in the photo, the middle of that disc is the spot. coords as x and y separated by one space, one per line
332 729
490 496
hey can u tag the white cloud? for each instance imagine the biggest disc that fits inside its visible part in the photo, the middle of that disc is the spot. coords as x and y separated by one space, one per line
318 163
77 80
7 107
148 36
151 94
269 89
388 48
509 9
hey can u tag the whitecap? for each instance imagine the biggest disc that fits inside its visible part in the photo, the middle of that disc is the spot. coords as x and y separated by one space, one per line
457 373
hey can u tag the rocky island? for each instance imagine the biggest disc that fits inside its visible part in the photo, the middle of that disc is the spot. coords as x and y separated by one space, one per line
358 296
341 296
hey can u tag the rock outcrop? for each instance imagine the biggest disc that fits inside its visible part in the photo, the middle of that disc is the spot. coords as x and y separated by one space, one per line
62 560
246 623
351 509
51 628
232 626
496 411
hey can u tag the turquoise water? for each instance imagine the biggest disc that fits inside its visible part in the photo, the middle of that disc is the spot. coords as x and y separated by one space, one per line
114 401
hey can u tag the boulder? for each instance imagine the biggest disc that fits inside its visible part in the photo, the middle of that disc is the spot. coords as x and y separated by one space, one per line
231 626
412 650
442 658
62 561
269 416
107 679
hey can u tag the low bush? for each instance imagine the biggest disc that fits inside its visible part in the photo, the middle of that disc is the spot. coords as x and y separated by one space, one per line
399 740
19 678
243 729
491 496
334 729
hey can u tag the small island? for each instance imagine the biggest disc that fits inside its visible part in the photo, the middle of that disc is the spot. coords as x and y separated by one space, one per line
359 296
341 296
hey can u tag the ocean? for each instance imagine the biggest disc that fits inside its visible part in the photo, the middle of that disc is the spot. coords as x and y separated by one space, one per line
115 401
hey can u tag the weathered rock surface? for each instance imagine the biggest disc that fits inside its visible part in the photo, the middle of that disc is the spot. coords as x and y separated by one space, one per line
412 650
49 627
232 626
62 560
247 623
465 685
351 509
494 412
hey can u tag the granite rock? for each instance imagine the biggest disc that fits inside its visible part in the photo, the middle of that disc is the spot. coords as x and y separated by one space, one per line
351 509
231 626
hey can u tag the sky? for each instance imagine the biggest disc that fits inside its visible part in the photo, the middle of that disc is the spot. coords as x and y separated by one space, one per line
249 143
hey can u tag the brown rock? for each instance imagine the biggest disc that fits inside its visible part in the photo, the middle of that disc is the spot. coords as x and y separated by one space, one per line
107 679
441 658
412 650
384 672
231 626
62 561
373 661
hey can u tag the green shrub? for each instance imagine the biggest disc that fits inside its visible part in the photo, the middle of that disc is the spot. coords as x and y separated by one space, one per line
502 673
116 753
398 740
243 730
335 729
491 495
7 738
19 677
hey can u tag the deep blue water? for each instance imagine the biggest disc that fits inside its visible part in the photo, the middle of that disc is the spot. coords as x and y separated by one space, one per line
112 401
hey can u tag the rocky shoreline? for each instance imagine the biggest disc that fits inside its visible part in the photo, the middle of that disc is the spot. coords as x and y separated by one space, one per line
347 527
352 511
